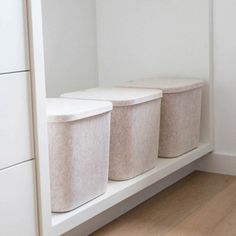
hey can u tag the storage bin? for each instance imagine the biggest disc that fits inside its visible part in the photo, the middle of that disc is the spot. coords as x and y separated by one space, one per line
79 136
180 113
134 128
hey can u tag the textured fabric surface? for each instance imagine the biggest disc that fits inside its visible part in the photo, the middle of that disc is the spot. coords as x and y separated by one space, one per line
79 159
180 112
134 139
180 123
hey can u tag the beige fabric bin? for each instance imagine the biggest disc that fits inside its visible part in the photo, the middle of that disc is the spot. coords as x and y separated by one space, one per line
79 136
134 128
180 113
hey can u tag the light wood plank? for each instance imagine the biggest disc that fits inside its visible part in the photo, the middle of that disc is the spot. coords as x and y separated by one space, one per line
187 208
212 218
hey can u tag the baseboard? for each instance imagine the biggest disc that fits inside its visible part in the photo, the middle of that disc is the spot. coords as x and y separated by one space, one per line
118 210
217 163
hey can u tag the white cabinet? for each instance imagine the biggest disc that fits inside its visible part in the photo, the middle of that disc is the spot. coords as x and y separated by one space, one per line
18 211
13 36
16 139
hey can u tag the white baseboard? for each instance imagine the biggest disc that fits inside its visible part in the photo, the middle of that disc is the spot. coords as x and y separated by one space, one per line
217 163
118 210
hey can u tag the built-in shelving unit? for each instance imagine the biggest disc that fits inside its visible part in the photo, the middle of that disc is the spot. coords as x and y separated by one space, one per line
134 67
120 190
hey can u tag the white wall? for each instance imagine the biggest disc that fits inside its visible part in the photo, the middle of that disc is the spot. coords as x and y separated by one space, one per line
225 76
70 45
139 38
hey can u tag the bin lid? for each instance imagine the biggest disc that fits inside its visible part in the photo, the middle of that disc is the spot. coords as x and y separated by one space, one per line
166 84
65 110
118 96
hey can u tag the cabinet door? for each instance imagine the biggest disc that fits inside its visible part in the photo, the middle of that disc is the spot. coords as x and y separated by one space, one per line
13 36
16 139
18 211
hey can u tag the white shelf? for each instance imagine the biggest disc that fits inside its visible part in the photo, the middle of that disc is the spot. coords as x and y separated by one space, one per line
119 191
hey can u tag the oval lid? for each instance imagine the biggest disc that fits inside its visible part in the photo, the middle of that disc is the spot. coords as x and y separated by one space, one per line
166 84
65 110
118 96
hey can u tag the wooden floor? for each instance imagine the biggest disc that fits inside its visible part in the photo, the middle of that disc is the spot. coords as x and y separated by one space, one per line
200 204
